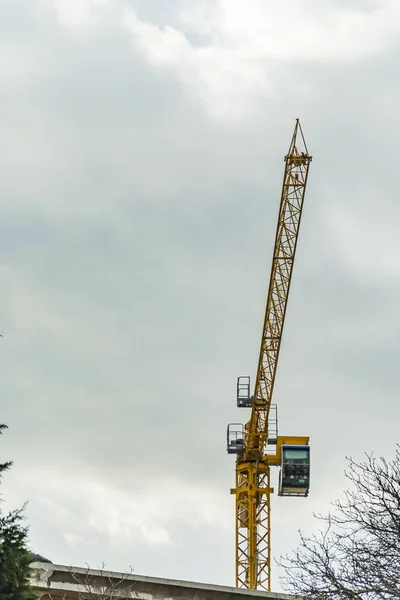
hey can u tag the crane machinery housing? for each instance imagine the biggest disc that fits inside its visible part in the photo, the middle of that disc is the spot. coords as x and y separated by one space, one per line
257 445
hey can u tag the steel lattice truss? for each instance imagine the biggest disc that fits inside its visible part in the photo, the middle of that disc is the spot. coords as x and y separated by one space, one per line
253 549
253 532
297 163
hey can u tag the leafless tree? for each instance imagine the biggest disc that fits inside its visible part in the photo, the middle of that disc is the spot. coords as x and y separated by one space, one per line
356 555
100 584
104 585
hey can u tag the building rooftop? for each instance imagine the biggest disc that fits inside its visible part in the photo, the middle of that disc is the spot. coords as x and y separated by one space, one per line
59 582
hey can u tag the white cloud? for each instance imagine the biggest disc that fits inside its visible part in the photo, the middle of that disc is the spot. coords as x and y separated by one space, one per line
294 31
365 238
135 515
222 76
77 15
241 48
247 43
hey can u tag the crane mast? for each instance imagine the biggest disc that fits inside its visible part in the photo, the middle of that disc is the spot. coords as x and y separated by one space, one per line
257 445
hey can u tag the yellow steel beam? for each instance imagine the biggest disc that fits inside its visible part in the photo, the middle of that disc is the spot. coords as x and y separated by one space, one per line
297 163
253 559
253 491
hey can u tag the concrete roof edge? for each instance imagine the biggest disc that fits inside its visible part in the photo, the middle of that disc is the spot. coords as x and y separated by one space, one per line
39 566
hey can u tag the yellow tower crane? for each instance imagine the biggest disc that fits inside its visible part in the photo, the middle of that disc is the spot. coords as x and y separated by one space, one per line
257 444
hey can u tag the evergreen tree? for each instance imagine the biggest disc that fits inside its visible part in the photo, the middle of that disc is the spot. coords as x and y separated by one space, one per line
14 554
7 465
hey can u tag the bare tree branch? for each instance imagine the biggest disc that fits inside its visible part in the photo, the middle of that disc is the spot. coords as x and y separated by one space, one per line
356 556
100 584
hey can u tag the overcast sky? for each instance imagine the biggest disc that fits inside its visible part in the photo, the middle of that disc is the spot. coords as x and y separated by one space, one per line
142 146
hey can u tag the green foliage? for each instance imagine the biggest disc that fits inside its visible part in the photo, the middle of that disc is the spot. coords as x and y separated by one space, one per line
14 554
4 466
14 558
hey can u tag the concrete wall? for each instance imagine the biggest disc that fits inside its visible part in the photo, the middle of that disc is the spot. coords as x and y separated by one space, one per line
57 582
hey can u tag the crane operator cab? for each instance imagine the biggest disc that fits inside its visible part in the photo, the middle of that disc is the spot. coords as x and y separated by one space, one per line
294 477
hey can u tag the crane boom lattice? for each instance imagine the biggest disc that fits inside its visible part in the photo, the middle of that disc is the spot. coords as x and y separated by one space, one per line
293 190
